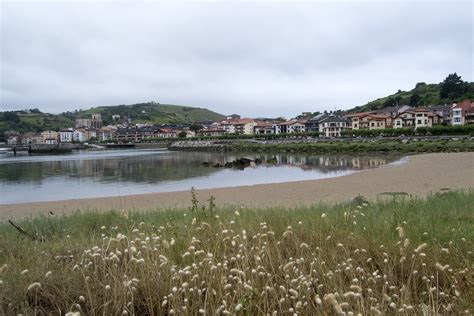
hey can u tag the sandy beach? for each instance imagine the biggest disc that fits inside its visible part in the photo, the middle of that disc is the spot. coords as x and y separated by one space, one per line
421 175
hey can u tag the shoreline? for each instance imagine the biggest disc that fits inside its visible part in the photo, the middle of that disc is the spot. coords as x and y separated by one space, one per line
421 175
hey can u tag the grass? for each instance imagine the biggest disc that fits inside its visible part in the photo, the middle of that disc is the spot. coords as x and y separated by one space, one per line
398 255
384 146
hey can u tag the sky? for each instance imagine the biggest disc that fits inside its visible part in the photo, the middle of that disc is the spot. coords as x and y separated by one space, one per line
253 58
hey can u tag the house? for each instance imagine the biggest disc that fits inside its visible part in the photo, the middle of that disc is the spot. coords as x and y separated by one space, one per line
378 121
167 133
239 126
14 139
32 138
444 111
425 118
312 125
66 135
291 126
354 120
244 126
462 113
263 128
332 126
393 110
79 135
106 133
50 137
404 120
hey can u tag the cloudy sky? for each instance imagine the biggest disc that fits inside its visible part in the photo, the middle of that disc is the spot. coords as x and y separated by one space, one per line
257 59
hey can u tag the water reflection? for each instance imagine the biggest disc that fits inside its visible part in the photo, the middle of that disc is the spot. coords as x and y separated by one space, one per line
116 172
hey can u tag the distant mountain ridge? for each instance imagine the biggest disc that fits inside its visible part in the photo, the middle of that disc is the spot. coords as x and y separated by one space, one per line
150 112
423 94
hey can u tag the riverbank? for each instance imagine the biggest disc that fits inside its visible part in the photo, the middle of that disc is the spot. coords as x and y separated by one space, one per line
405 256
423 174
405 145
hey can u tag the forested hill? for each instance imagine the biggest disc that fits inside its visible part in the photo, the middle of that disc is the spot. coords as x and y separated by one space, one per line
151 112
452 89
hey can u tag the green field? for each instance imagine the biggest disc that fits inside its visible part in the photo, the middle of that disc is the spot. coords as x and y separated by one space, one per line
402 255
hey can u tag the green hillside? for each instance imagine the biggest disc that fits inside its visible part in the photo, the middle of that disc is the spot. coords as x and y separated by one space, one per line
452 89
154 113
151 112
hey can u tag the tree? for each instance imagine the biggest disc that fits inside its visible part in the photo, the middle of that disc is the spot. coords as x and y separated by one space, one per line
415 99
182 134
195 127
11 117
420 84
389 102
452 87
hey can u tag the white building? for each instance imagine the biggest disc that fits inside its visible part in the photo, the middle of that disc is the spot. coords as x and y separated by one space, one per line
332 126
66 135
291 126
79 135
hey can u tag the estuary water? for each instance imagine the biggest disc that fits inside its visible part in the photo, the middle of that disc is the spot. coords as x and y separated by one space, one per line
100 173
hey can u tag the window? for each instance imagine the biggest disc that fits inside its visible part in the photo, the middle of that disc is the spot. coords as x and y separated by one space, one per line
419 122
372 124
355 125
398 123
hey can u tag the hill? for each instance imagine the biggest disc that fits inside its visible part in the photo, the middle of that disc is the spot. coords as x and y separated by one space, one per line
452 89
152 112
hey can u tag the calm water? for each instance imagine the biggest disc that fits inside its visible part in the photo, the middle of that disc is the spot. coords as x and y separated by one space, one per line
122 172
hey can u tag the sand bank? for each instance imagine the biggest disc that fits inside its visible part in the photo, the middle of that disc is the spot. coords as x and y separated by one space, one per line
420 176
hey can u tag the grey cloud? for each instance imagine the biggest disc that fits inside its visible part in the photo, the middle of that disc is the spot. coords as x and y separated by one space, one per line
263 59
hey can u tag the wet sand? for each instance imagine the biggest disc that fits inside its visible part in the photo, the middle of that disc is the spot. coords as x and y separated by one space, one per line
422 175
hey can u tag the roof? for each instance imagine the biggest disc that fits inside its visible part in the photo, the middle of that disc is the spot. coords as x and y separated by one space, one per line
465 105
237 122
379 116
332 118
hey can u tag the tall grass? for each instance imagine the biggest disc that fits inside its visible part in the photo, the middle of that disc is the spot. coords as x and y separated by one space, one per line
401 255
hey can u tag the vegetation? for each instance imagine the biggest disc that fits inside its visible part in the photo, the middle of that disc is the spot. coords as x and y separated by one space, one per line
400 255
34 121
452 89
341 146
154 113
151 112
422 131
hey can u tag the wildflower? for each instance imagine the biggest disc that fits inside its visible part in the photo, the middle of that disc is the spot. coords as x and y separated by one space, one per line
72 314
48 274
421 247
82 299
24 272
304 245
401 232
34 286
375 311
107 287
323 215
238 307
440 267
237 213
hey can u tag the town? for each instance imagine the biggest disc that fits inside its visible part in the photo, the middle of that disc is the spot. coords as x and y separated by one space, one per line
326 125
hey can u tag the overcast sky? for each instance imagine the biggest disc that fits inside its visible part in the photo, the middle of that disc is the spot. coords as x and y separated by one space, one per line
257 59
